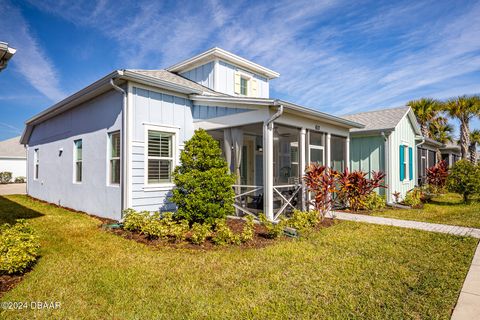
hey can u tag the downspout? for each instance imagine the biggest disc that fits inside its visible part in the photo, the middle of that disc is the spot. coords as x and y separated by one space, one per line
123 148
268 161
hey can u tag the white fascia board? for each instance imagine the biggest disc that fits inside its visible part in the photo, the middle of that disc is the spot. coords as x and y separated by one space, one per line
215 52
234 100
233 120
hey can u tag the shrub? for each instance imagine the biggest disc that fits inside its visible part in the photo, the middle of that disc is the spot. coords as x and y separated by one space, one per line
20 180
320 181
178 231
5 177
274 230
414 198
248 231
19 247
223 234
204 190
133 220
437 176
374 201
200 233
155 227
303 220
354 187
464 178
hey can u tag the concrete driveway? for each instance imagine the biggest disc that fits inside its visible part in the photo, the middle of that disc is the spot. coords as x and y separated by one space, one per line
13 188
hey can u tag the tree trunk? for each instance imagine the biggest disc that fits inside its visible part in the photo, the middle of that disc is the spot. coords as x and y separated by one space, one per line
464 138
473 152
425 131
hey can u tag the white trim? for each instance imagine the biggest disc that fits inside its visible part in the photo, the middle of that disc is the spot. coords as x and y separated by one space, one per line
74 162
128 179
109 157
175 155
161 125
215 52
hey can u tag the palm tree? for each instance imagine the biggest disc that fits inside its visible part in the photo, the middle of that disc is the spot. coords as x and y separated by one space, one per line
426 110
441 131
474 141
463 108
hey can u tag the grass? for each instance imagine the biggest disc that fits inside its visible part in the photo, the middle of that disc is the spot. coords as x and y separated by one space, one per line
444 209
349 270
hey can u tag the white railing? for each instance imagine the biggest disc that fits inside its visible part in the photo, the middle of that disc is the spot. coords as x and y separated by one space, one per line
245 200
286 199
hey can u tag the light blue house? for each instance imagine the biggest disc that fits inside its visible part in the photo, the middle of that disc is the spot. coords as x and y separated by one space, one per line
114 144
388 142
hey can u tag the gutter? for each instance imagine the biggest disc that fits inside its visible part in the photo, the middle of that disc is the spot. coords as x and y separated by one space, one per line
123 161
276 115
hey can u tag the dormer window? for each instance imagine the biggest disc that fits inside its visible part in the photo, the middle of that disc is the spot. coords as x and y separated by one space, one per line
243 86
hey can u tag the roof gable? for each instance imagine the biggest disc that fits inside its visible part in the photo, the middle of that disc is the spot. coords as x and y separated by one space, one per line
12 148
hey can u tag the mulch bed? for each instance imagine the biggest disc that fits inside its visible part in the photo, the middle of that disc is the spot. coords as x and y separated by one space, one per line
260 239
8 282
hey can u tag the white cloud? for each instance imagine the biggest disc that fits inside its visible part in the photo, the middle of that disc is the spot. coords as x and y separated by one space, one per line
30 60
338 57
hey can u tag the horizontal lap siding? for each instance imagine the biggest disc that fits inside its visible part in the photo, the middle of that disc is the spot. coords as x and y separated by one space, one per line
155 108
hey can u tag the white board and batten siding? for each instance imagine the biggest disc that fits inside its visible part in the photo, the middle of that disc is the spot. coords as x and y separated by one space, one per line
403 135
155 109
202 74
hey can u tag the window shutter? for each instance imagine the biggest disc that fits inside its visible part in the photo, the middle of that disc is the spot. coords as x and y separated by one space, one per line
237 83
402 160
254 92
410 163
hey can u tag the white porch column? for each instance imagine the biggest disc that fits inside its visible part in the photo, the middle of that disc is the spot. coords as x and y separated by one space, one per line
302 163
347 153
268 170
328 155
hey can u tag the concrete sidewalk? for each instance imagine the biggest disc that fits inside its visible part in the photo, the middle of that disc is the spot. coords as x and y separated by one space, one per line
426 226
468 304
13 188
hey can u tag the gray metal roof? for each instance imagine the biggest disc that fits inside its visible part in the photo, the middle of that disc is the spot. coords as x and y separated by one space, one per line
12 148
377 120
174 78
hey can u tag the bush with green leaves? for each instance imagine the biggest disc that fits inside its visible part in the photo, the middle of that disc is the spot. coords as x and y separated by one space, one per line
200 233
414 198
203 190
223 234
464 178
303 220
178 231
248 231
134 220
19 247
374 201
5 177
20 180
274 229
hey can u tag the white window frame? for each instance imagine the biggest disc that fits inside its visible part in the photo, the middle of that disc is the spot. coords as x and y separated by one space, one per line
75 162
36 163
175 131
110 158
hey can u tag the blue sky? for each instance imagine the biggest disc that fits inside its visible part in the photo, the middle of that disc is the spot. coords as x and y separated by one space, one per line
334 56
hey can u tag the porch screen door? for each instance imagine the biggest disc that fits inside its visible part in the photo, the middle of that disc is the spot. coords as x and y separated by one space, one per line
317 154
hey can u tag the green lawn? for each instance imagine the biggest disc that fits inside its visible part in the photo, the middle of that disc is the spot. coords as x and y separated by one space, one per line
349 270
445 209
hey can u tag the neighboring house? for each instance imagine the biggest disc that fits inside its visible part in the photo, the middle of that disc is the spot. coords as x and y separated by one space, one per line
387 143
451 153
426 157
114 144
13 157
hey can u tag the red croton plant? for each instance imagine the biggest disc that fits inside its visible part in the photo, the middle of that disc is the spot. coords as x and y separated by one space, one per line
437 175
354 187
320 181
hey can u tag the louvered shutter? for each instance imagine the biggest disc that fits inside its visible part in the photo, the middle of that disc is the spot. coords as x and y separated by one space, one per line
402 160
237 83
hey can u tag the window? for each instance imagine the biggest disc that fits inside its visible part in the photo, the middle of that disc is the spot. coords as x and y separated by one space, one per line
77 158
243 86
404 156
114 157
160 157
36 164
